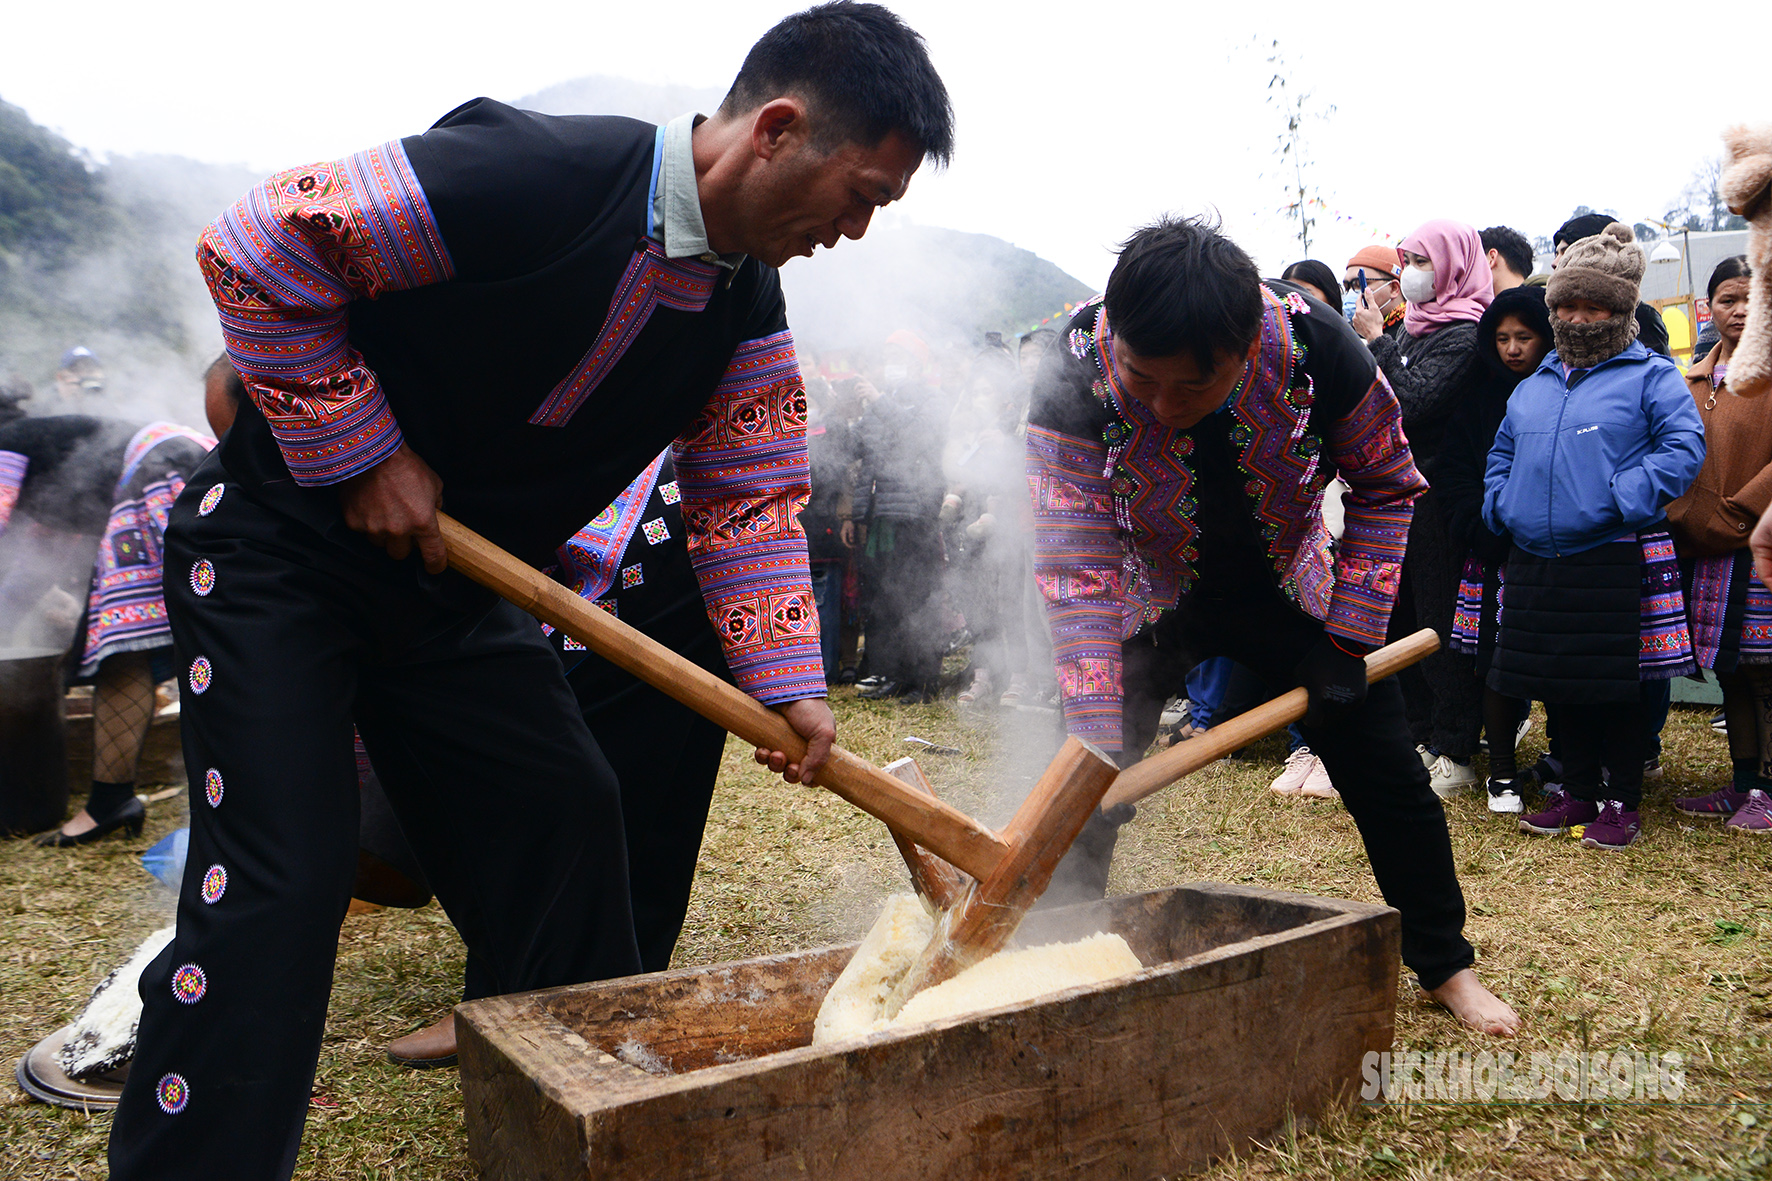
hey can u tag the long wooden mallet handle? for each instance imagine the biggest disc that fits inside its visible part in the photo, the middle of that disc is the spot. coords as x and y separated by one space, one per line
1184 758
938 827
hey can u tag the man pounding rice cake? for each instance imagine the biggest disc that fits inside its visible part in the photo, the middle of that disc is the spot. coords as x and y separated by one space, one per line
1178 448
507 316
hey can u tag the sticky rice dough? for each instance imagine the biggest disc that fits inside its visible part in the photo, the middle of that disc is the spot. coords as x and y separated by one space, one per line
856 1002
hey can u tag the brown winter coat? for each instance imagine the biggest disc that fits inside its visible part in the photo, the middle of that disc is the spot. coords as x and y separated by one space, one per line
1734 486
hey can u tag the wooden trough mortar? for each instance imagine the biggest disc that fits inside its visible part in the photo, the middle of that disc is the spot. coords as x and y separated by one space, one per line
1255 1005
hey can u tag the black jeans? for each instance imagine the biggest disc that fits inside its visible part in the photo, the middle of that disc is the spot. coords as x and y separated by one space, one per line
1368 753
503 794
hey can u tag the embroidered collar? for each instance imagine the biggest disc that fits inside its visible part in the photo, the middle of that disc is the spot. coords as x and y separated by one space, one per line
1150 478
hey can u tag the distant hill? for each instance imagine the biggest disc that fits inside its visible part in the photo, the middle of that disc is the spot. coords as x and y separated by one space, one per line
101 255
948 287
599 94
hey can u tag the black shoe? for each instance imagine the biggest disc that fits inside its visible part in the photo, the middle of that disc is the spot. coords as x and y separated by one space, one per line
129 818
846 677
882 691
918 696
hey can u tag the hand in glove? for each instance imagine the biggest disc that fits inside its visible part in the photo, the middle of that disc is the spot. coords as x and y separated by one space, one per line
1335 679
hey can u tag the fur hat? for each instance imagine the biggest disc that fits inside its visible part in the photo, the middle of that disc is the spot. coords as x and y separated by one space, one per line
1747 186
1606 269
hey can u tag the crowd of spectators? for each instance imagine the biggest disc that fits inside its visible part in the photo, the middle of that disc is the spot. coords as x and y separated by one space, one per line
918 522
1584 540
1585 566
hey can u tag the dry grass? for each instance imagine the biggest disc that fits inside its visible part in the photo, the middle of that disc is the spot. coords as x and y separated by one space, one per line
1665 946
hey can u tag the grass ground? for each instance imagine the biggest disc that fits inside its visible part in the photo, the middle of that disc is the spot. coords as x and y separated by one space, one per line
1665 947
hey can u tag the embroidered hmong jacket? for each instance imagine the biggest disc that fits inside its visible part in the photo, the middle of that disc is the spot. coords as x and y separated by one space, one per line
491 293
631 560
1116 513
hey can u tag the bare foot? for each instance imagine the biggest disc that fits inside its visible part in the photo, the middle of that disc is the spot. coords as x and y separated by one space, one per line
434 1045
82 822
1467 999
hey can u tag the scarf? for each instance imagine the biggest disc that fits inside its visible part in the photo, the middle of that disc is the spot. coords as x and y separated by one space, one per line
1582 346
1462 284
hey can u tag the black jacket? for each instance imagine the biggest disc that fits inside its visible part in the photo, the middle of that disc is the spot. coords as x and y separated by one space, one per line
1470 433
899 442
540 215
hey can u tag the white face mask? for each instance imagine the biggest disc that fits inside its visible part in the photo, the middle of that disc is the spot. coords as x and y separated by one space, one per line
893 374
1418 285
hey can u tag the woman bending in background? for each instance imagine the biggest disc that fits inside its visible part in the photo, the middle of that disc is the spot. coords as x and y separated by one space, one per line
83 503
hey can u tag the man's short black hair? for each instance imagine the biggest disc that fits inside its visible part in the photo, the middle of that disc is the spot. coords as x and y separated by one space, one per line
865 72
1577 228
1182 286
223 367
1515 251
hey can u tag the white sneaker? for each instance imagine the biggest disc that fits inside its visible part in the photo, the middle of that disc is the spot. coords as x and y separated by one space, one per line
1426 756
1299 765
1448 778
1525 728
1504 799
1317 785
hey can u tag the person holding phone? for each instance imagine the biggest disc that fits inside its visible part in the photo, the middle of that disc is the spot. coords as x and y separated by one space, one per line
1446 281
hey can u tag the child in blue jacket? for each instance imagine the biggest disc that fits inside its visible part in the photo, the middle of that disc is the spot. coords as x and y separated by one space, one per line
1596 442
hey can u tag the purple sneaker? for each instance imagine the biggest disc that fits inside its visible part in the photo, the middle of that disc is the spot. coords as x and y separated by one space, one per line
1755 814
1613 828
1565 810
1725 801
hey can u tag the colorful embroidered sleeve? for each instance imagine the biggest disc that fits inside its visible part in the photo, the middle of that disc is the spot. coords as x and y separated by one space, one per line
13 467
283 265
1078 557
744 477
1369 448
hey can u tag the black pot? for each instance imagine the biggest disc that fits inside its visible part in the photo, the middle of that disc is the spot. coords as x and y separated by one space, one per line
33 744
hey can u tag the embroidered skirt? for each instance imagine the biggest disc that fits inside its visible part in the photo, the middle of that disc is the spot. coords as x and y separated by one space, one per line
1589 627
1730 611
125 611
1477 613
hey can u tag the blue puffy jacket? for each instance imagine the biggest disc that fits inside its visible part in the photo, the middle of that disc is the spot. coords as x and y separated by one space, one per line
1581 462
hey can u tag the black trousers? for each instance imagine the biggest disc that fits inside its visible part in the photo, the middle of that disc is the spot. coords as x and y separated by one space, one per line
510 807
666 758
1368 753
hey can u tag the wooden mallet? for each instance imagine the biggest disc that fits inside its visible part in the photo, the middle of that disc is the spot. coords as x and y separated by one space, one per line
911 811
981 920
1009 870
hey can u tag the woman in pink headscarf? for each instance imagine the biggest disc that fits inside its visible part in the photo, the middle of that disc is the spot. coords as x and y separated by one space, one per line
1446 283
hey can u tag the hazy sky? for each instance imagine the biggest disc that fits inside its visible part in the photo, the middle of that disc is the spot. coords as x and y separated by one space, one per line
1075 121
